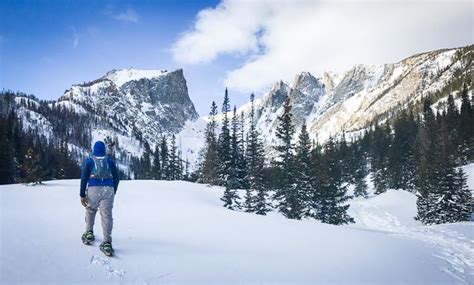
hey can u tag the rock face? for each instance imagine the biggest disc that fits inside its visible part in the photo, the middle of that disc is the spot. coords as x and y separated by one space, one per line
148 103
140 106
355 99
129 106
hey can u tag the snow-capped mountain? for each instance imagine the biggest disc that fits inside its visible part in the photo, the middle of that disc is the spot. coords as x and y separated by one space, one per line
355 99
135 106
144 102
129 106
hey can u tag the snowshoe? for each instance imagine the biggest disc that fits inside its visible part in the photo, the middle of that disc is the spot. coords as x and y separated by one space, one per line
106 248
88 238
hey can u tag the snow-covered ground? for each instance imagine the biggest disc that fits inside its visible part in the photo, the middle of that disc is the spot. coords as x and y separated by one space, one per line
178 232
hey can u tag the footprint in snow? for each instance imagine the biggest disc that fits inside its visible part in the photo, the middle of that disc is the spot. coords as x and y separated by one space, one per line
109 269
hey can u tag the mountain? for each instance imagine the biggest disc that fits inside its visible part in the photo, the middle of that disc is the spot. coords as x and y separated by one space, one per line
146 103
130 107
366 94
135 108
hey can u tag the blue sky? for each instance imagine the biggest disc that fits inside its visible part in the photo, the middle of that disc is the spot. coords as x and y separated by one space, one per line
46 46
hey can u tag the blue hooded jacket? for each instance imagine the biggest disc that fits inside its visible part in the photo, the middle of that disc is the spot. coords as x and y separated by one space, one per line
88 166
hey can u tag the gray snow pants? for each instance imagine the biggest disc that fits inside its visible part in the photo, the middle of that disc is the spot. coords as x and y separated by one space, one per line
102 198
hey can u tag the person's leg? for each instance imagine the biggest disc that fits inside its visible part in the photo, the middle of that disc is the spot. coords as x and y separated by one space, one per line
106 204
92 206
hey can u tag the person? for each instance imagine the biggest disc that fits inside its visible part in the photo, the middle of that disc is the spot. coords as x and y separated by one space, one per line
99 182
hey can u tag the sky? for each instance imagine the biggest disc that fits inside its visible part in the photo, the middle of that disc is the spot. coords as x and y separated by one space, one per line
46 46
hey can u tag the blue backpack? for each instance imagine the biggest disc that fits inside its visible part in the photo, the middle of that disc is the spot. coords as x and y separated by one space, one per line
101 168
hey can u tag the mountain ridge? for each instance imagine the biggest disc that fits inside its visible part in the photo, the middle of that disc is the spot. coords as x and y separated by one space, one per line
137 107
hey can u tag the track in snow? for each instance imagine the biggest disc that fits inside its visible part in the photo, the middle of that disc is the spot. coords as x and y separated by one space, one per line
455 249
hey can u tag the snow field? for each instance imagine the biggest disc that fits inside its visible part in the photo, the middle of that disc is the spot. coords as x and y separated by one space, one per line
178 232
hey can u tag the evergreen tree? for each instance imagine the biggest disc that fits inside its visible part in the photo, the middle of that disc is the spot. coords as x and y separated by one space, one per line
236 155
68 168
401 155
6 154
156 167
241 163
346 160
360 172
210 166
304 180
379 160
317 172
331 194
466 127
426 175
255 164
173 164
231 197
451 200
32 167
146 162
287 196
223 150
164 159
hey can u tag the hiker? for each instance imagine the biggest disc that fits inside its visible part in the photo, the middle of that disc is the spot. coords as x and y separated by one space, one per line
99 182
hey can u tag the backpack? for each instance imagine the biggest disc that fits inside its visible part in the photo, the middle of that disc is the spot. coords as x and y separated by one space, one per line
101 168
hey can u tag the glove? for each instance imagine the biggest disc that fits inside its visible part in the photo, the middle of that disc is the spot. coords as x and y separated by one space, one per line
84 201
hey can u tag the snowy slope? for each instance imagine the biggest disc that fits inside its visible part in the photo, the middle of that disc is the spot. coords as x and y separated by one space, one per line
139 106
353 100
175 232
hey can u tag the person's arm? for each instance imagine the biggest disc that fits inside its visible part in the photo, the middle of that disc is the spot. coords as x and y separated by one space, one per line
86 173
115 174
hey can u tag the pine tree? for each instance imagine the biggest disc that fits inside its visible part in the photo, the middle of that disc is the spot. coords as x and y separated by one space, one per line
173 164
6 153
231 197
317 172
255 163
32 167
379 160
360 172
156 167
241 164
345 159
451 200
223 150
466 128
426 175
331 194
146 162
304 181
165 172
289 202
236 154
210 166
401 156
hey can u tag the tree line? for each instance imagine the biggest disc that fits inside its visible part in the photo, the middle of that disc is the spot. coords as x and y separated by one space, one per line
421 153
164 163
26 155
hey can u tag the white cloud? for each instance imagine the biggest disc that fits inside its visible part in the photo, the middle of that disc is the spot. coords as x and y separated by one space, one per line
278 39
228 28
129 15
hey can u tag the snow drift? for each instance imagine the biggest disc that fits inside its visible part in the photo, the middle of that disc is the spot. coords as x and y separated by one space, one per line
173 232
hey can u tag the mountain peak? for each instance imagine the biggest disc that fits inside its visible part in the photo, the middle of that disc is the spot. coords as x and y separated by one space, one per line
122 76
